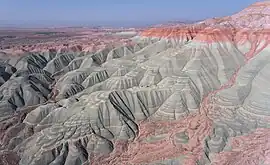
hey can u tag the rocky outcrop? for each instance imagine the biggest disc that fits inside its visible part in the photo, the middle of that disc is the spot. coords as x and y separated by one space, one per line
176 95
102 97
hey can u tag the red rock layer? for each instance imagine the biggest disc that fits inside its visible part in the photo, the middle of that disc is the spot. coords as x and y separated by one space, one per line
256 16
211 34
199 33
183 32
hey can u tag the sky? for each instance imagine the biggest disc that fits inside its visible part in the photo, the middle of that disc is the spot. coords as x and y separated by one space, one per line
112 12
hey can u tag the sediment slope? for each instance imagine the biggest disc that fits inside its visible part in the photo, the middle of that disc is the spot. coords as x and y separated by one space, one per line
175 95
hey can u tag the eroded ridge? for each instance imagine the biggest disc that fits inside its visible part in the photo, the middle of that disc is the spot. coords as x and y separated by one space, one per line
192 94
118 97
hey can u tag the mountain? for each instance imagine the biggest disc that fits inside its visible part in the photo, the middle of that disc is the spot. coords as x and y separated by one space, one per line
195 93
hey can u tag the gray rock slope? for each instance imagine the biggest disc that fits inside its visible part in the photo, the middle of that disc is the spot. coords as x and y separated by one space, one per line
83 102
243 107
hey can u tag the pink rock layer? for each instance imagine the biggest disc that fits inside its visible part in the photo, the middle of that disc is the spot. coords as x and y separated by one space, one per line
197 127
210 34
252 149
182 32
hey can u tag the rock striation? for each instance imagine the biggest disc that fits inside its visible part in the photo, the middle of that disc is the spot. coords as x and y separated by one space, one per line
188 94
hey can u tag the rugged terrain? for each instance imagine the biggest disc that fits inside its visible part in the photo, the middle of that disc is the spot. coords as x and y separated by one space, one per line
17 41
189 94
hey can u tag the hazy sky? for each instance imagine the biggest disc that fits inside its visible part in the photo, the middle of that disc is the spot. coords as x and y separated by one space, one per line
113 12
